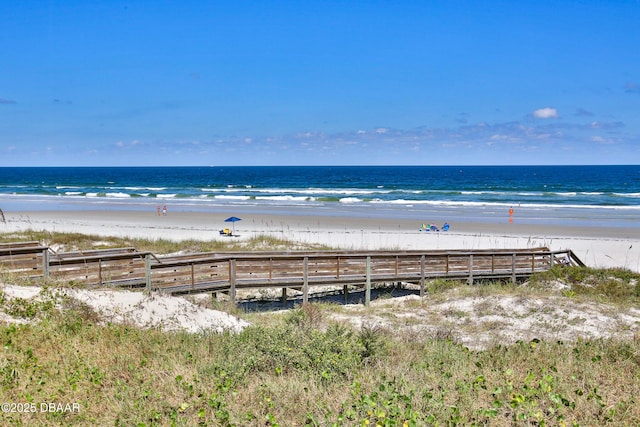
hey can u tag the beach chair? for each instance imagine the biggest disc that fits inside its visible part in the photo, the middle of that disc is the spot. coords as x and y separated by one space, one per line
225 232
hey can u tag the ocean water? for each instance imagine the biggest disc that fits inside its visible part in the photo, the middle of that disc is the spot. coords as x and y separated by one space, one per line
589 195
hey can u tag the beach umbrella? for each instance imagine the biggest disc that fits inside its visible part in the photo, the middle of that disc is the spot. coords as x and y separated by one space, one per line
233 220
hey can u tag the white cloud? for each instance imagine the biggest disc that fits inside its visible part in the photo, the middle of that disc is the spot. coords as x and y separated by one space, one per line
546 113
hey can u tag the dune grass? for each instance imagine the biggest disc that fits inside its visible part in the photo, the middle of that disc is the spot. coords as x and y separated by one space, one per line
300 371
77 241
299 368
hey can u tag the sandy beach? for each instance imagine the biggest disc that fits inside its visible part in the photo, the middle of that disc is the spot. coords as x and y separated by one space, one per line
596 246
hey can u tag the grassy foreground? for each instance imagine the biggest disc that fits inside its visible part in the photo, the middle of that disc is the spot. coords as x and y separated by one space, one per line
298 369
293 373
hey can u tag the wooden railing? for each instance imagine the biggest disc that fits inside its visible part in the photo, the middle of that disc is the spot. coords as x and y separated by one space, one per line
233 272
24 257
230 272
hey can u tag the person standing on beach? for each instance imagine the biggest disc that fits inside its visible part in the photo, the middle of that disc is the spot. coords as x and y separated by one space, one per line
164 210
2 218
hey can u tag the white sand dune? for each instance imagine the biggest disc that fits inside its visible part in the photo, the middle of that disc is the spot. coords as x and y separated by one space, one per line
153 310
479 322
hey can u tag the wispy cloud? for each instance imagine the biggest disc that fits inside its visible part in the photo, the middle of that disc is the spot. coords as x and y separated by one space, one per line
475 142
606 125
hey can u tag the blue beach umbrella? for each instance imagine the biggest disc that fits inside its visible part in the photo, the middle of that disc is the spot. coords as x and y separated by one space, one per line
233 220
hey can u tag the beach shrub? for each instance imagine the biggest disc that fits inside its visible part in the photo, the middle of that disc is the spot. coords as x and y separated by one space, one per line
441 285
607 285
374 340
306 316
287 375
30 308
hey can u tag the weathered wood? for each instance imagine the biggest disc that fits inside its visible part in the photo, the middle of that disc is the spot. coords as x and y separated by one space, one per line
422 275
367 292
305 280
25 257
228 272
232 280
45 263
147 272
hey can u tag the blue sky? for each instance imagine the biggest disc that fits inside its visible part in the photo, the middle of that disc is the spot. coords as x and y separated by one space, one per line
319 82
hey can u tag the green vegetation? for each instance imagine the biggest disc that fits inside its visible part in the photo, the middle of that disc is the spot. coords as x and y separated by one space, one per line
301 368
77 241
618 286
295 372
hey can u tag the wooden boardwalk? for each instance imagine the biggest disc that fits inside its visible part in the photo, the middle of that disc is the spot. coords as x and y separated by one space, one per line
231 272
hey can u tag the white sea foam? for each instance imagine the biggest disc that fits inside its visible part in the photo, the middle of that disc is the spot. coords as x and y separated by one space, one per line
284 198
222 197
350 200
140 188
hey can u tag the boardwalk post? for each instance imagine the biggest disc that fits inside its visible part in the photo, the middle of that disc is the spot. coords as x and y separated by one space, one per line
147 272
367 292
345 288
100 271
305 280
470 280
232 280
533 263
513 268
422 275
193 278
45 262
